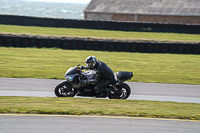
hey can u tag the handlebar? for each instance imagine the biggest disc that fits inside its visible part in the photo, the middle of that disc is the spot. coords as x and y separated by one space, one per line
81 68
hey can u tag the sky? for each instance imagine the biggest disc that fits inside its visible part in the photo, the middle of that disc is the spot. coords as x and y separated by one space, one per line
67 1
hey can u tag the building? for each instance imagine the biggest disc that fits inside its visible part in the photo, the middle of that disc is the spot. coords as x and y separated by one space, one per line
164 11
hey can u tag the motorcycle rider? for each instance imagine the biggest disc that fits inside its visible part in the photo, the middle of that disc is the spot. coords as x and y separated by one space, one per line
104 75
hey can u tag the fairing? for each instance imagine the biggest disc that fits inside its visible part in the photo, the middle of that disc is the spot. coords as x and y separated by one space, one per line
72 70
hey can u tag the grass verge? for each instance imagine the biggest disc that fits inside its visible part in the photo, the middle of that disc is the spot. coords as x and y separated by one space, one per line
84 106
99 34
53 63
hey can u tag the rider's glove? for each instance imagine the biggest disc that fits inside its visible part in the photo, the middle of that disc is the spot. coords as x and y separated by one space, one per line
82 67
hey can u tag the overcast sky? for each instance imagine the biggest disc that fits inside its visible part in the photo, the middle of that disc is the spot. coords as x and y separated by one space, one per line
67 1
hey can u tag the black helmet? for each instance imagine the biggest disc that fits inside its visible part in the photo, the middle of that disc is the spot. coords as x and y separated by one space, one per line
90 61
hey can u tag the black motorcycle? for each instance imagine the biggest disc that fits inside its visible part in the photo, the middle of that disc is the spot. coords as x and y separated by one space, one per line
72 85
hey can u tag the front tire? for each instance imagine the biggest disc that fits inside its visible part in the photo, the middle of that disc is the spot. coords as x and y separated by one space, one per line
65 90
123 92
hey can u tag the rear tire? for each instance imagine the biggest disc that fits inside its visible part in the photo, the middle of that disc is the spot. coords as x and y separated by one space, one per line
65 90
124 92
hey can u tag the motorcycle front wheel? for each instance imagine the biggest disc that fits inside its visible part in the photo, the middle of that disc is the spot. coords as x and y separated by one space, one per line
65 90
123 92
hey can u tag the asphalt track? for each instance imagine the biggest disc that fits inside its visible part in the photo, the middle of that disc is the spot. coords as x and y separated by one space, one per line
93 124
140 91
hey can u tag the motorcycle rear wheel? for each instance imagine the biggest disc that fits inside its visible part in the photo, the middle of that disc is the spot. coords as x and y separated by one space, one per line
65 90
124 92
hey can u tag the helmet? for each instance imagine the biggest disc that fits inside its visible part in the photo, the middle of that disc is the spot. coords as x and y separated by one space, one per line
90 61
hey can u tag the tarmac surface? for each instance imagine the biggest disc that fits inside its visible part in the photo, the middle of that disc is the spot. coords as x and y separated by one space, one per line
140 91
93 124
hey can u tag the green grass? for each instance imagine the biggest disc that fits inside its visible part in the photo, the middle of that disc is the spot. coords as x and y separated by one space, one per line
53 63
83 106
99 34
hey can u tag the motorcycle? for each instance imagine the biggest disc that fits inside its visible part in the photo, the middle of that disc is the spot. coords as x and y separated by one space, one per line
72 85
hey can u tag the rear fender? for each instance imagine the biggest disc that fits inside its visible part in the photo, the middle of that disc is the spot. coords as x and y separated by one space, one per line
121 81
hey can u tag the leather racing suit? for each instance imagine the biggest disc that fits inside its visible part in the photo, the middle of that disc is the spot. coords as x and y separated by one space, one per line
104 76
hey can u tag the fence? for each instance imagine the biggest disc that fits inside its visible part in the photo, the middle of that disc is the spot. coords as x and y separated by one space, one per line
102 25
100 45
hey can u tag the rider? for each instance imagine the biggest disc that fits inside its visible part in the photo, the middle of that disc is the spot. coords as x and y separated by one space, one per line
104 75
